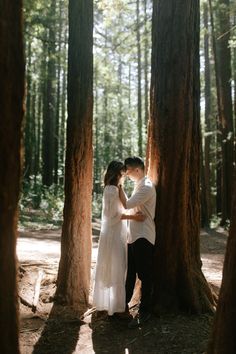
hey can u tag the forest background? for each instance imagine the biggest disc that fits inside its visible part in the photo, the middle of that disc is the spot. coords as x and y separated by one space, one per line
122 65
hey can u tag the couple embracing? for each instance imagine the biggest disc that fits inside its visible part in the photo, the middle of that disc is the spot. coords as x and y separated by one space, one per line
118 264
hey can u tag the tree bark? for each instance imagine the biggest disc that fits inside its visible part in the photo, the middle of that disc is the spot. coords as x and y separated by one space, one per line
174 157
74 269
226 112
11 115
223 340
49 123
139 78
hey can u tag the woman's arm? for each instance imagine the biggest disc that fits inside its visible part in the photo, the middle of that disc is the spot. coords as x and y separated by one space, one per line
122 196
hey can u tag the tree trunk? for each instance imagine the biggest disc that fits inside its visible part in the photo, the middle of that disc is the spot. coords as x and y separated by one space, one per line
174 157
28 121
146 57
50 105
139 73
74 269
11 115
120 118
225 118
226 113
206 172
223 340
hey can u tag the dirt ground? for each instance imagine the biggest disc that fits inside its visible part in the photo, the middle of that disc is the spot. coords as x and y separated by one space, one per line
47 328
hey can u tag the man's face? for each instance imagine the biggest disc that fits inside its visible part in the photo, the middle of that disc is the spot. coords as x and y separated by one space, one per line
132 173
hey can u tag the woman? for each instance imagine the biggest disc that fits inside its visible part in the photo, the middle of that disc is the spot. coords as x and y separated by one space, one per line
109 287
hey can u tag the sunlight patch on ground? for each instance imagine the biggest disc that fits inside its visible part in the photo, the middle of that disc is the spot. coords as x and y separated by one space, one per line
37 250
85 342
212 267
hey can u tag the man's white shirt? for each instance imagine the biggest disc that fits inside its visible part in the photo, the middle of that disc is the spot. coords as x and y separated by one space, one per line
143 199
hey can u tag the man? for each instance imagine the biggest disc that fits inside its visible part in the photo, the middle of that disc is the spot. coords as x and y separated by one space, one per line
141 237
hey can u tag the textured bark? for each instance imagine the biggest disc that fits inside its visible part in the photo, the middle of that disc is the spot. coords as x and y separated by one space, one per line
49 116
11 115
223 340
139 78
174 157
225 112
222 59
74 268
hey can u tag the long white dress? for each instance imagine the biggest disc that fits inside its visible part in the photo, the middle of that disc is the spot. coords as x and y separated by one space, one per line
109 285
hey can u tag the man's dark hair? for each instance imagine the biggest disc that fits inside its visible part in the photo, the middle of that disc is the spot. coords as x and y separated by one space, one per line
134 161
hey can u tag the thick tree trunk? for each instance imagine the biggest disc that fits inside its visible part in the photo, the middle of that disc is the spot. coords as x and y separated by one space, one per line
11 115
223 339
74 269
174 154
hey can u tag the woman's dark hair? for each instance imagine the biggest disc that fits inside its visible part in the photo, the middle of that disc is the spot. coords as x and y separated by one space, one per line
113 173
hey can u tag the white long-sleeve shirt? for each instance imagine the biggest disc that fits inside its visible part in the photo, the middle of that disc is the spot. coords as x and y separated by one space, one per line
143 199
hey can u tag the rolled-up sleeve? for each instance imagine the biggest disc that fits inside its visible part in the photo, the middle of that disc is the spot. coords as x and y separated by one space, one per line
138 198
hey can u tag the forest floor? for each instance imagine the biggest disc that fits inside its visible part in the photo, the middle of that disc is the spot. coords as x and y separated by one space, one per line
51 329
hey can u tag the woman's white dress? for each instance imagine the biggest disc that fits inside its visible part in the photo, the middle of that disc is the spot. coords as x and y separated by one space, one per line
109 286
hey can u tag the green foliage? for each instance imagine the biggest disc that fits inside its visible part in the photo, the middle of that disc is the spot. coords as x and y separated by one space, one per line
48 200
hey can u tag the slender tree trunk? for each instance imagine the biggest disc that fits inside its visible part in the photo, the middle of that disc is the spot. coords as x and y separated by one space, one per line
28 120
218 137
146 48
223 340
139 91
226 113
58 101
225 124
120 114
50 106
206 173
63 122
11 115
174 135
96 129
74 268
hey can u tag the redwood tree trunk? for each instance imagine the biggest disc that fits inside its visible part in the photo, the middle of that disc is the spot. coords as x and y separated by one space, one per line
223 339
174 157
11 115
75 262
226 109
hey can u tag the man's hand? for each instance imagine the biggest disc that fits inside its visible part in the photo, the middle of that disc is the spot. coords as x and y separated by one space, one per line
139 216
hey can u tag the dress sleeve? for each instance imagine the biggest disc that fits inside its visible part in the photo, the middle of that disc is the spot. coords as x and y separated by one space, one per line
111 210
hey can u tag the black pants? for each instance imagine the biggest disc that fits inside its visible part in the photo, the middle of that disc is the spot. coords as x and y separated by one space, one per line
140 255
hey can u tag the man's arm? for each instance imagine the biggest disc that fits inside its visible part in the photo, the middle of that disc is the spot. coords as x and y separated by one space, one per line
138 198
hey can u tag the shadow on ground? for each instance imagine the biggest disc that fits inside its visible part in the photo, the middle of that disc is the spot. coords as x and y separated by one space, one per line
165 335
60 334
